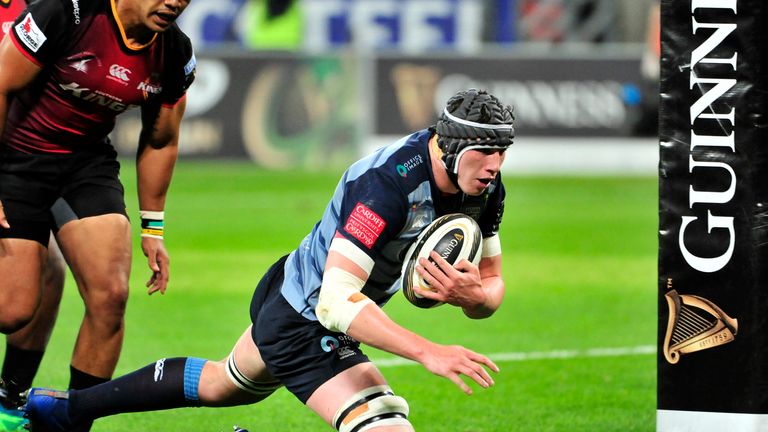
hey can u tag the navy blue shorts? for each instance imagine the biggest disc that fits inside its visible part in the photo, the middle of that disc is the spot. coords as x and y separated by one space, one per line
301 353
82 184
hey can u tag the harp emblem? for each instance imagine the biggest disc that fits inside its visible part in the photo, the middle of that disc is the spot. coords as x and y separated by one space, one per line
695 324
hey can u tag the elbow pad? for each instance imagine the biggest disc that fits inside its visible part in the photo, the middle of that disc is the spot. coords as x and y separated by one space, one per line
340 299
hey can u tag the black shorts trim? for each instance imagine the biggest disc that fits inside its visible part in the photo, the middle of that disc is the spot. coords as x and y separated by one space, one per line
300 353
31 183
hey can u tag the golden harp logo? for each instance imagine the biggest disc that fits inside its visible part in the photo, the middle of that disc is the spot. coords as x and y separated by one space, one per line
695 324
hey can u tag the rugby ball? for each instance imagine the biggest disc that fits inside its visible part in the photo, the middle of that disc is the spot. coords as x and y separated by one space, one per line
455 237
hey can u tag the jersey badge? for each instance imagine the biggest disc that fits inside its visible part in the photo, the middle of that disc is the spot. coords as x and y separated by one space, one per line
365 225
30 34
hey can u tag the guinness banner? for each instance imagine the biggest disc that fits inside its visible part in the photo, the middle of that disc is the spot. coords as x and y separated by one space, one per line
713 222
566 97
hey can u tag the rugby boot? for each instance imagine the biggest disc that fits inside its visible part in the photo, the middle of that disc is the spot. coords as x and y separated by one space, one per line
11 416
48 410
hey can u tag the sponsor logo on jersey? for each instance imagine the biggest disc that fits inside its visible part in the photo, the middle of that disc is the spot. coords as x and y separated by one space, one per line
81 65
365 225
76 11
119 72
96 97
30 34
190 66
404 168
149 88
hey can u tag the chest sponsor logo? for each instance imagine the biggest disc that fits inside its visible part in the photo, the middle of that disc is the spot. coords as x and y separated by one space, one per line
119 73
96 97
404 168
365 225
30 34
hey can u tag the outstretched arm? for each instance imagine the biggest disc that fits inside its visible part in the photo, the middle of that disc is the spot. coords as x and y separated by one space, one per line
371 326
155 159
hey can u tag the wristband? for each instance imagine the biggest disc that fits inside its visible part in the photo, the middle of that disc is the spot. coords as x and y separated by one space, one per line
152 224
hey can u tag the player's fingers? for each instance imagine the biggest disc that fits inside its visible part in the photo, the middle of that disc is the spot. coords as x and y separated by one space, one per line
441 263
428 277
466 266
151 282
434 271
429 294
459 382
152 260
479 358
477 374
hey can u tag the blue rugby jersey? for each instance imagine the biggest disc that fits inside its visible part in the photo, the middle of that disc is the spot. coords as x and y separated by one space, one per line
380 205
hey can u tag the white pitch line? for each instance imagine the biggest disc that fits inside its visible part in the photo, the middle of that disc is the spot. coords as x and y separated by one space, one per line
541 355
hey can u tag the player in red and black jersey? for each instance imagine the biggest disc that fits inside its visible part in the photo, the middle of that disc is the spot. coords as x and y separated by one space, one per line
72 67
25 348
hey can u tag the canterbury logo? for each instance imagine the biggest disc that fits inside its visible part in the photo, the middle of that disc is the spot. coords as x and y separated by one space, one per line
695 324
120 72
159 365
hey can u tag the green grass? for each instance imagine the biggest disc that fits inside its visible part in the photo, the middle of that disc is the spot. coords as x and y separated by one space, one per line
580 269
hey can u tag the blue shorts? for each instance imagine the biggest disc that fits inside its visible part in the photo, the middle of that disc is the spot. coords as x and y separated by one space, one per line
301 353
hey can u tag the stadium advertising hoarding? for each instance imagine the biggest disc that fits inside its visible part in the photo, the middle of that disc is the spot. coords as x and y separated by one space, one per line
713 238
296 110
567 97
278 110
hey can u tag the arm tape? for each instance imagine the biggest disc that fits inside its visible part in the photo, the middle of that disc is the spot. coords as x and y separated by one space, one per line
491 246
340 299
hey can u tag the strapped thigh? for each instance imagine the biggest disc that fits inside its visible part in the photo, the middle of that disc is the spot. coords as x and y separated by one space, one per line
375 406
262 389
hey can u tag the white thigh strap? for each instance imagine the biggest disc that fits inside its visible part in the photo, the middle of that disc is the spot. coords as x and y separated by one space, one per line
373 407
247 384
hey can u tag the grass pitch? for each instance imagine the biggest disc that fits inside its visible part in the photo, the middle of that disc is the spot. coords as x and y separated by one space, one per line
580 269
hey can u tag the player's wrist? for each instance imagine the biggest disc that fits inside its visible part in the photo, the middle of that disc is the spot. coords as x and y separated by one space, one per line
152 224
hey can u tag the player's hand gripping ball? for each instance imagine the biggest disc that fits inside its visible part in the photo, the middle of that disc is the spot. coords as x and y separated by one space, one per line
455 237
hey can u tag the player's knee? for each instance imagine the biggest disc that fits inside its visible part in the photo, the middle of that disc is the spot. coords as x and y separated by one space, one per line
108 300
374 407
12 321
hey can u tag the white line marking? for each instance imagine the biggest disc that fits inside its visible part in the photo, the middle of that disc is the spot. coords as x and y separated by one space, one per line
540 355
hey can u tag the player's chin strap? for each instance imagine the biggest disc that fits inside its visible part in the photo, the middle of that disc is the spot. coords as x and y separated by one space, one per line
375 406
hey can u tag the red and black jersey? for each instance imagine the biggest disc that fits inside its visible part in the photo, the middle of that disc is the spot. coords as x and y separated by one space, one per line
9 10
90 74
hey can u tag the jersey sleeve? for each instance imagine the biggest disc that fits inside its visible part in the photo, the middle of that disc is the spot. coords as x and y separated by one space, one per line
490 220
372 212
181 74
41 29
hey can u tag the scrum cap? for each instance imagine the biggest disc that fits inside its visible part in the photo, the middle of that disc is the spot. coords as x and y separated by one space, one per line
473 120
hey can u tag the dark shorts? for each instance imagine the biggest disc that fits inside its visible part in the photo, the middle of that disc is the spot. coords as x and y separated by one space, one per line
301 353
81 184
